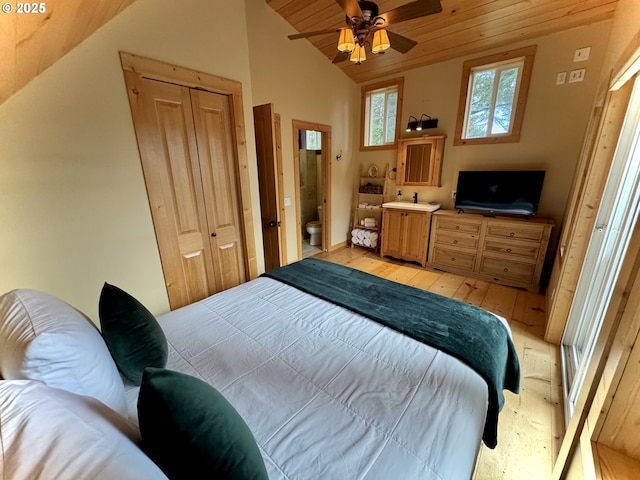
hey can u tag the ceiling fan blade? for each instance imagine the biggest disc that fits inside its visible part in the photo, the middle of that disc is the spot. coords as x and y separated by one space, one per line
341 57
350 7
400 43
312 34
416 9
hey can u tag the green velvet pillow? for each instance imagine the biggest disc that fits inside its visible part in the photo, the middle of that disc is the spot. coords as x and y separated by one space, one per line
131 333
191 431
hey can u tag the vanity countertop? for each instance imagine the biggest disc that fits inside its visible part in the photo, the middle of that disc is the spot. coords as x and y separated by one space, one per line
421 206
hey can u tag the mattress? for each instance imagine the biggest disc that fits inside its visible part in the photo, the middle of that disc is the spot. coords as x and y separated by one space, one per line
327 392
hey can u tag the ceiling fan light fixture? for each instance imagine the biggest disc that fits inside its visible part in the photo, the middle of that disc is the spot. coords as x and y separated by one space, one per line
346 43
380 41
358 56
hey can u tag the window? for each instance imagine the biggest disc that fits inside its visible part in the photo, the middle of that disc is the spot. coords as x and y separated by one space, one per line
313 140
381 107
493 96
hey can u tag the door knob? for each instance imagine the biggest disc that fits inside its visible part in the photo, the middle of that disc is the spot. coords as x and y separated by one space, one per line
214 234
273 223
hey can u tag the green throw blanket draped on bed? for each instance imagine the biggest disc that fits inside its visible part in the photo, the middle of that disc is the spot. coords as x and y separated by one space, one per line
471 334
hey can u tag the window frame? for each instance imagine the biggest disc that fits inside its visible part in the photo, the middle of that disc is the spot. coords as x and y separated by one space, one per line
524 80
364 124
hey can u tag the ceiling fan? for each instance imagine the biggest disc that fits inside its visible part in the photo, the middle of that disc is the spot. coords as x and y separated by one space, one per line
364 20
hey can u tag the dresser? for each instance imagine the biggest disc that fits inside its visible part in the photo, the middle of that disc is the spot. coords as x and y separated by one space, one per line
504 250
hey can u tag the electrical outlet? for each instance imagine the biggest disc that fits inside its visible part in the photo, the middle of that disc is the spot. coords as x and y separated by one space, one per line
577 75
561 78
581 54
453 194
287 201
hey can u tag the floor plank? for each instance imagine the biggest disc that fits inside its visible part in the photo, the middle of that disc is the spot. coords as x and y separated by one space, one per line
531 423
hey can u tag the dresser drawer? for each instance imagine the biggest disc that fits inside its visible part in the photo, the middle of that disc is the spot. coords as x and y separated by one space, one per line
505 269
520 250
444 237
455 225
533 232
454 258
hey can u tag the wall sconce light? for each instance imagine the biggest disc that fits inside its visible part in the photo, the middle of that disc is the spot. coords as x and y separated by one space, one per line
417 125
412 125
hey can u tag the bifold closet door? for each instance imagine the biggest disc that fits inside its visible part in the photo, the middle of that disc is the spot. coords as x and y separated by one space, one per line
214 134
183 139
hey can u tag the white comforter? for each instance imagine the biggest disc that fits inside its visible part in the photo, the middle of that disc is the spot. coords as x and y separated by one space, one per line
329 394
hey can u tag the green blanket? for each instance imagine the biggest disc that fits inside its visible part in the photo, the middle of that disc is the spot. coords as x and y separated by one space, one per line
474 336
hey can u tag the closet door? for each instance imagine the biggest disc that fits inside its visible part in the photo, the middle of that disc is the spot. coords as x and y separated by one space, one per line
186 203
213 126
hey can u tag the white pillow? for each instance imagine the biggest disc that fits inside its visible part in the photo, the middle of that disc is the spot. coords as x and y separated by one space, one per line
43 338
47 433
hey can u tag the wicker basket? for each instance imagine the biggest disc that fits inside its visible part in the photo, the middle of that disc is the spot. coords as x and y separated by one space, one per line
368 188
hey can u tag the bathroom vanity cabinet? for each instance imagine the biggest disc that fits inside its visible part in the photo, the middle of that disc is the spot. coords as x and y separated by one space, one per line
405 234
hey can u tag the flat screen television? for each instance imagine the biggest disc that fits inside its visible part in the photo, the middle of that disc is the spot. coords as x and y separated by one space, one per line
500 191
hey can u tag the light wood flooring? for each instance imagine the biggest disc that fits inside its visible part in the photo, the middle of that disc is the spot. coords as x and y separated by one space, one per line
531 423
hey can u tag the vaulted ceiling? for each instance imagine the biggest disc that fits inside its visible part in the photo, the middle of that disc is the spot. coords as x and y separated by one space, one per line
464 27
32 42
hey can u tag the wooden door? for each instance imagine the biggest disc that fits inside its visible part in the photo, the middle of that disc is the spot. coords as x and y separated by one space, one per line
184 217
415 236
269 177
392 233
214 134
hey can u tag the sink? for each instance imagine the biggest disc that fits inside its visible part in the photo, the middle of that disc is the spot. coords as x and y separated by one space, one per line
422 206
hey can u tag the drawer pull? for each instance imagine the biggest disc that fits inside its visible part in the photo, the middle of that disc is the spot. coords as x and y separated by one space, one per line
506 269
512 234
453 259
455 242
508 250
457 227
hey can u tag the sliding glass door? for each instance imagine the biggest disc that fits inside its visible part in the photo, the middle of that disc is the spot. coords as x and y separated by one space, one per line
615 221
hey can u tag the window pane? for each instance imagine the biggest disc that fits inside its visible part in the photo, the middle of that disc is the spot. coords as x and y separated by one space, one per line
376 122
392 107
380 109
314 140
480 106
504 100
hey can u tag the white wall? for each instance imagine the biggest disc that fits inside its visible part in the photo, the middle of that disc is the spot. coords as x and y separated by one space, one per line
303 85
73 205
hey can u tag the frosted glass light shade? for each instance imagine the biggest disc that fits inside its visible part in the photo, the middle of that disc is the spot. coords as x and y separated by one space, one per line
380 41
358 55
346 43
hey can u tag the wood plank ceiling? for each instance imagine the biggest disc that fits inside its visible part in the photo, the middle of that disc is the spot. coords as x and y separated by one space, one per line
32 42
464 27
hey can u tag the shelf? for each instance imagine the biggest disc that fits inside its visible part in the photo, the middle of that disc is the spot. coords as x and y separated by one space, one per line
370 198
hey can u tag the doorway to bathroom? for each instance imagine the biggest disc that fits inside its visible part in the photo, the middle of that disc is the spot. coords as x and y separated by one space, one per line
312 172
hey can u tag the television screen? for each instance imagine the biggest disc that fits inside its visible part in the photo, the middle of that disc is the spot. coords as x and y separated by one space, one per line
504 191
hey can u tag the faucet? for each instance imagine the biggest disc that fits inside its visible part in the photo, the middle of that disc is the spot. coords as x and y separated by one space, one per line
415 197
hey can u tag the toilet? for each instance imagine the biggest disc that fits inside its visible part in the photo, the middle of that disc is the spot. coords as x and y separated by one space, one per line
314 228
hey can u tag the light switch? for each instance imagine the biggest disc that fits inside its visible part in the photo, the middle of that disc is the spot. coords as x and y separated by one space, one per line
577 75
561 78
581 54
287 201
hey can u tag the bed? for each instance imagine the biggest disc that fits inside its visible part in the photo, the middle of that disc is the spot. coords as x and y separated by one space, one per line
326 391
